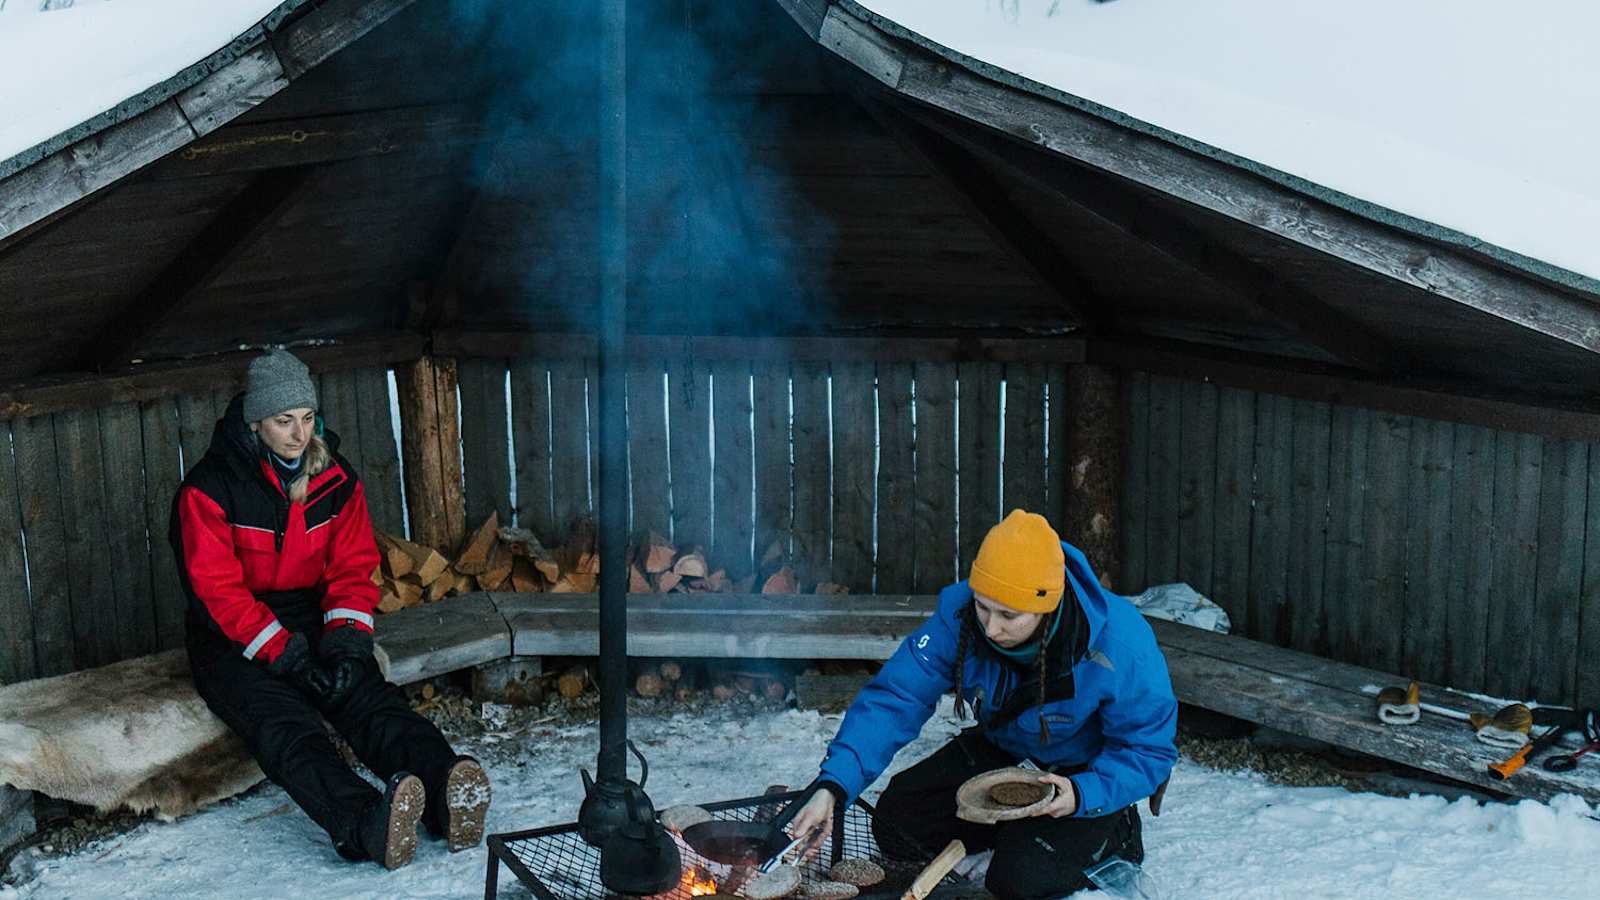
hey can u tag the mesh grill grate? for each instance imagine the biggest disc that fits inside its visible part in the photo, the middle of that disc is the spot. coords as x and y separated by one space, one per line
564 867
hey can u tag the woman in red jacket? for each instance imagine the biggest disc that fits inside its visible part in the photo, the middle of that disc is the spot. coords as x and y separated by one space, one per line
275 550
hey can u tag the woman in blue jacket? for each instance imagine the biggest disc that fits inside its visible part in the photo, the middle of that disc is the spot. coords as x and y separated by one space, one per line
1077 688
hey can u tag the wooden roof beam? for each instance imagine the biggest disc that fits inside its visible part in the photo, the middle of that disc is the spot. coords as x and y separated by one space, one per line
986 199
230 233
1126 209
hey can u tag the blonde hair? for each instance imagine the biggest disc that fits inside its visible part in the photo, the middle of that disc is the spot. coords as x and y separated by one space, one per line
316 459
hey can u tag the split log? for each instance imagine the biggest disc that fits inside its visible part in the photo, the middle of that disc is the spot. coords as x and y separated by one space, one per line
668 581
775 690
393 559
692 565
524 578
744 585
724 692
463 584
649 684
579 546
774 555
439 589
572 682
409 589
658 554
672 670
684 693
388 600
377 575
829 587
588 564
781 582
474 558
716 582
498 573
637 582
525 544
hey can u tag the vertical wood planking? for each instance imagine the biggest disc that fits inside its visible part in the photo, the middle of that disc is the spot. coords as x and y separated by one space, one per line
17 659
1197 484
1553 623
484 440
689 424
978 455
854 485
83 500
898 550
126 548
1471 555
569 445
196 421
935 525
732 515
812 473
162 475
340 406
1269 527
650 489
1509 648
1308 526
530 430
769 385
1135 481
1166 449
1023 468
1382 608
1588 688
1430 523
1056 425
44 524
1347 485
380 454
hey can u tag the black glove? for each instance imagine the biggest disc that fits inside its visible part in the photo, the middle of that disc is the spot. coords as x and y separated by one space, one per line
296 666
347 650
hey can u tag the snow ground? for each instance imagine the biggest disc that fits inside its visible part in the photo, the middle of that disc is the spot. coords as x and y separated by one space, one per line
63 66
1470 114
1223 835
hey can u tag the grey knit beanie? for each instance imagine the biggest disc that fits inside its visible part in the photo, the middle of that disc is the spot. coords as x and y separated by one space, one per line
277 381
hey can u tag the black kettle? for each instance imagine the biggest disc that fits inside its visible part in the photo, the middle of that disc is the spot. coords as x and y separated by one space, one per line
609 804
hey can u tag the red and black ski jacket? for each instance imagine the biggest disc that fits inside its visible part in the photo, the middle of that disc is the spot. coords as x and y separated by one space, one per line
238 538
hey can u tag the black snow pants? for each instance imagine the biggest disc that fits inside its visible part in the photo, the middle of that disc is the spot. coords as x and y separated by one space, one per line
1037 857
285 734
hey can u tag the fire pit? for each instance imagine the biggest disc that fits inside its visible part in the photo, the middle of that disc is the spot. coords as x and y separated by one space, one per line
556 864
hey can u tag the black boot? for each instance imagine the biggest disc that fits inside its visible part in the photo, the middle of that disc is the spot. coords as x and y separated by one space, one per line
460 805
387 832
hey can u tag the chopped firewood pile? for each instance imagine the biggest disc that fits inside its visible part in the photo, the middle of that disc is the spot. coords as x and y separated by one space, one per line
506 558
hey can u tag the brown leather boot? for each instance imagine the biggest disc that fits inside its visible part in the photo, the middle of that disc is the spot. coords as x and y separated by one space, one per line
466 804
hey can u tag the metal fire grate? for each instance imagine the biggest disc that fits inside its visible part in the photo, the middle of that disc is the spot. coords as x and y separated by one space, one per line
556 864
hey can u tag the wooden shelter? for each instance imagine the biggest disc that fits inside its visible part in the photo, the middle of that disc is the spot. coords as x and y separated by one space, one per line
879 294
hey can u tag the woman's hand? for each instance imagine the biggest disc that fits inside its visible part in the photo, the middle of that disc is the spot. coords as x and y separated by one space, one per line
814 819
1066 801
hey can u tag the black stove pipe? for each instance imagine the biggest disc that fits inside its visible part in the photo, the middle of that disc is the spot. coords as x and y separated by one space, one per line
612 489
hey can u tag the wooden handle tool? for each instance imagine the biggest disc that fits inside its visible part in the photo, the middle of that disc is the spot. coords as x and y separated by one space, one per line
953 852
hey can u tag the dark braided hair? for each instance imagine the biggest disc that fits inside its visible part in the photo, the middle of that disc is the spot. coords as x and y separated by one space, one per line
963 644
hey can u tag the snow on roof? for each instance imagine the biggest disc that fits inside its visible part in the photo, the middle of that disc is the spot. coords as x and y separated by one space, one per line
63 63
1473 115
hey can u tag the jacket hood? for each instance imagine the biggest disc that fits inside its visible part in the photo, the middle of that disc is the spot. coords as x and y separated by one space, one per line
233 441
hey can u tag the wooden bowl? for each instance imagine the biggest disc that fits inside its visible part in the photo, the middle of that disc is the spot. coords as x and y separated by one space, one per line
973 803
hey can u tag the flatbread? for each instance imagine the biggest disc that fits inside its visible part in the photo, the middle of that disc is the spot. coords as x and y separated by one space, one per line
681 818
829 890
1018 793
859 872
780 882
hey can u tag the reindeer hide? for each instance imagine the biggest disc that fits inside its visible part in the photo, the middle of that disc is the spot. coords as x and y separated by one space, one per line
133 734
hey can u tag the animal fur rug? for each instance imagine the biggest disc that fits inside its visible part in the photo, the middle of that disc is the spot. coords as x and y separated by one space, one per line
132 735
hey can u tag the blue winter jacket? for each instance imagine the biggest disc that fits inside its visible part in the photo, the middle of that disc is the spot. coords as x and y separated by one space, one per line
1117 727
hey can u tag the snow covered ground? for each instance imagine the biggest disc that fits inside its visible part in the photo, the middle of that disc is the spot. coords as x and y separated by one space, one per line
1471 114
1223 835
62 66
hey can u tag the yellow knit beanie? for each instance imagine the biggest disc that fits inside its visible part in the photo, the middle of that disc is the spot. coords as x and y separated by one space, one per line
1021 565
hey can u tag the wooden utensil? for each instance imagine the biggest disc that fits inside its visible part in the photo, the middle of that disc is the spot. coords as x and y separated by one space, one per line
935 871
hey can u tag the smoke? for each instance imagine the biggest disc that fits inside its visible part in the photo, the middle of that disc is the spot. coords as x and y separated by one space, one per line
716 232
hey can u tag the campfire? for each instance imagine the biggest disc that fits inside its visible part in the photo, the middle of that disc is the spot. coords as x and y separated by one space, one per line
697 882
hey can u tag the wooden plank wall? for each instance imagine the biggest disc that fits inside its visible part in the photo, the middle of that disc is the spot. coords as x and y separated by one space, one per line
856 469
1445 551
85 501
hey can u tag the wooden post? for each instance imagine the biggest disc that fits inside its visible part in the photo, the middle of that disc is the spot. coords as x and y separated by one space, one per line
1089 514
430 444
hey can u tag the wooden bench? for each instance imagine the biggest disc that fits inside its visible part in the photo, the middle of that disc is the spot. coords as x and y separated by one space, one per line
1285 689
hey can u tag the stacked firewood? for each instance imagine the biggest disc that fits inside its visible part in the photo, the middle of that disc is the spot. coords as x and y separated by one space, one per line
496 558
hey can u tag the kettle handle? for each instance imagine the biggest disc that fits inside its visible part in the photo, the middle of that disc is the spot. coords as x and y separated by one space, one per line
644 767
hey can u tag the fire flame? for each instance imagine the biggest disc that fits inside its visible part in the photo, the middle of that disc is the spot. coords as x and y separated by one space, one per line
698 882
